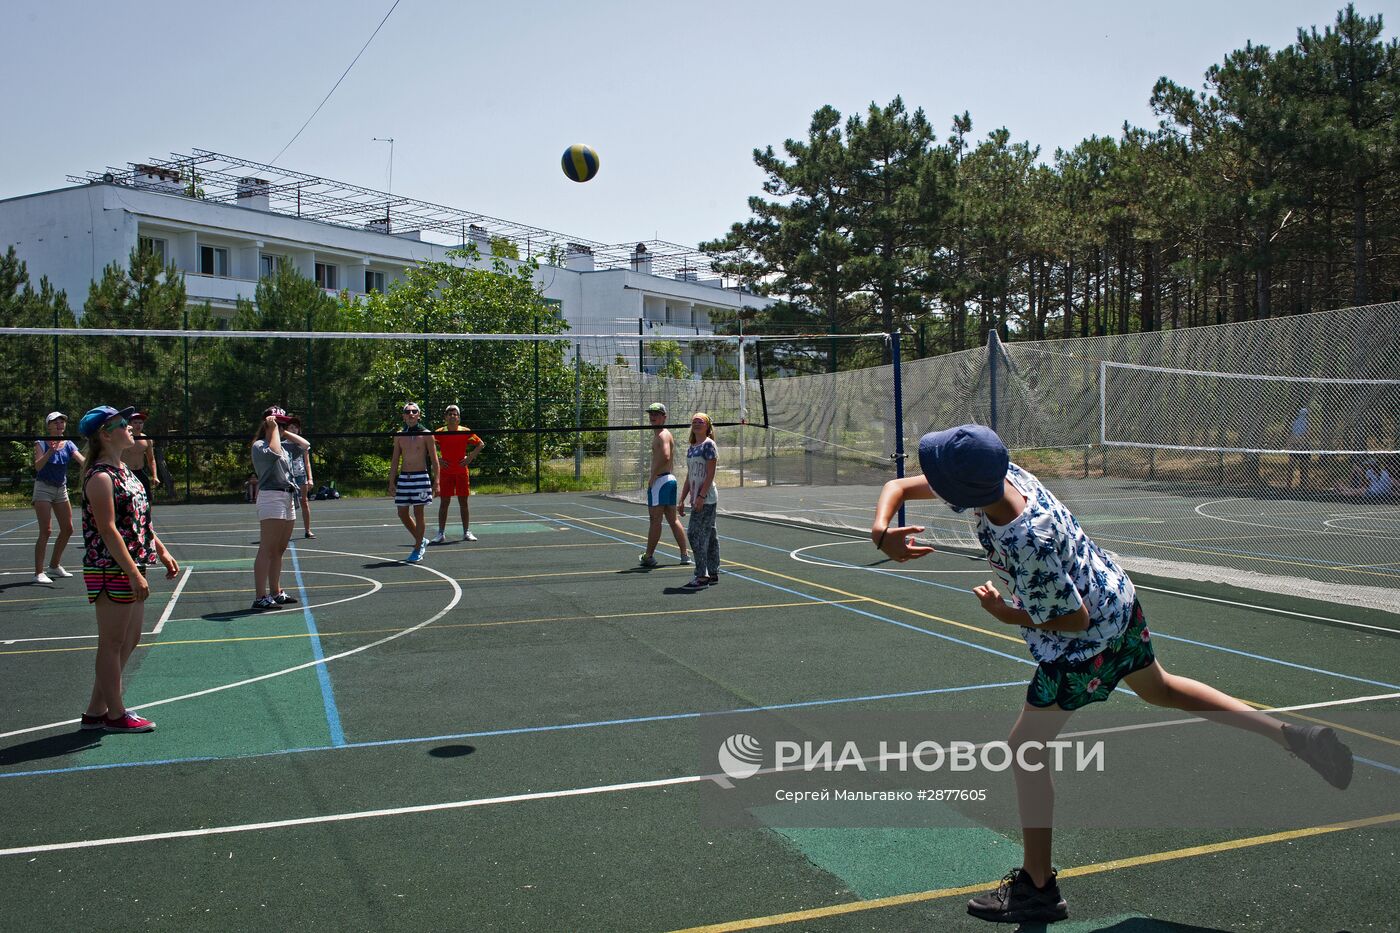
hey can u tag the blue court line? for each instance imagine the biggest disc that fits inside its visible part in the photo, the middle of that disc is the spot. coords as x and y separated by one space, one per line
1376 764
1156 633
322 674
18 527
523 730
815 599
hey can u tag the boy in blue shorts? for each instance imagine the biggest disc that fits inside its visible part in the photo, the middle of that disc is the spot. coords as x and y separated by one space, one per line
1080 617
661 488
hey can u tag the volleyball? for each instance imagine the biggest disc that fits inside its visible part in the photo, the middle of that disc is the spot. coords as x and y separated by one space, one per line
580 163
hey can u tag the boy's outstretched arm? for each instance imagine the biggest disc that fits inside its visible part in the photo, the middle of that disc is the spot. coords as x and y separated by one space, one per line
894 542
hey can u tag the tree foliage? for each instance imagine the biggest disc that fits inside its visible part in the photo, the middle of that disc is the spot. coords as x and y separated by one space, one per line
1273 189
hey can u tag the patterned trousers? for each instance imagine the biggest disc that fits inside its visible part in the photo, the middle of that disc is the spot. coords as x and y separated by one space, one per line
704 542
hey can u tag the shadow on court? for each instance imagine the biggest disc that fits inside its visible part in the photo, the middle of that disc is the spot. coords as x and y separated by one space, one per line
51 746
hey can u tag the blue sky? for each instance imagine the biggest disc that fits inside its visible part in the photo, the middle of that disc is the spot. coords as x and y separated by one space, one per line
482 98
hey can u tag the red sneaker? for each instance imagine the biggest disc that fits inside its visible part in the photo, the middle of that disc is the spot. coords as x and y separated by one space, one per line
129 722
90 722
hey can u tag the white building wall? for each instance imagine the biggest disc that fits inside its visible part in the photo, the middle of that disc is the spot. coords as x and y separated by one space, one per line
72 234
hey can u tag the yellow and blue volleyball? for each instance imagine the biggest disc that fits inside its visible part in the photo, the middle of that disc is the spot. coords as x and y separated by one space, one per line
580 163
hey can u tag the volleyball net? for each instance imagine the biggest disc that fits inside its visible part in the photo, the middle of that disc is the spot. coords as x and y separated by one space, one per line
1260 454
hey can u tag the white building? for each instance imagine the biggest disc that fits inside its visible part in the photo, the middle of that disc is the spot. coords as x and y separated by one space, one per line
225 222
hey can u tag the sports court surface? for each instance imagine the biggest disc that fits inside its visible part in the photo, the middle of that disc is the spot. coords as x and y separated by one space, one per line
507 736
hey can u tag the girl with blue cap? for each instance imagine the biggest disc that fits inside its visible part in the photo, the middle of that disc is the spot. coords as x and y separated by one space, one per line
1081 619
119 542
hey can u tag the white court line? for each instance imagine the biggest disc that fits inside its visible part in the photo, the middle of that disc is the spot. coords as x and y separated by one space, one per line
718 778
456 598
797 556
170 606
1311 529
375 587
1287 612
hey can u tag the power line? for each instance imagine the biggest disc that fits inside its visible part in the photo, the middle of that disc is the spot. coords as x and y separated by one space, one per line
337 83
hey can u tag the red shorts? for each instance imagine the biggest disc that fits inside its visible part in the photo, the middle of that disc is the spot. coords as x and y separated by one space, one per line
454 484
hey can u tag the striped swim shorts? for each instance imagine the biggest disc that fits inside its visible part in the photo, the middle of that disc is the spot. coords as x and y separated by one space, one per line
110 580
413 489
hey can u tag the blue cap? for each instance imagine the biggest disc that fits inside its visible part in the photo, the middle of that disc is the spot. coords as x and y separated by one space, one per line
965 466
99 416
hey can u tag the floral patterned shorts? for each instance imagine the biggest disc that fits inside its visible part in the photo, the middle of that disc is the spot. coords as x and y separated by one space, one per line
1070 686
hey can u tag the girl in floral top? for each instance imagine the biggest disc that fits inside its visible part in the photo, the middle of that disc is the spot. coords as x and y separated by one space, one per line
118 543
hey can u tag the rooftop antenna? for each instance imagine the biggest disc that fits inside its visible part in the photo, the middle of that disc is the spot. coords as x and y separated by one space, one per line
390 141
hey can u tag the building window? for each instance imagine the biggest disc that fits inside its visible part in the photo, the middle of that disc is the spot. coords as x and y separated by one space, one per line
151 246
374 281
213 260
325 275
269 265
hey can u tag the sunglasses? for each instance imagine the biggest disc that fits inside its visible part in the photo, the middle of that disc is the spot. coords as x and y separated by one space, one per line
115 425
411 411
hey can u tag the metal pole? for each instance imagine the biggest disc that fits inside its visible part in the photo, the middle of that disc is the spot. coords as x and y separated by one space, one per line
743 411
535 329
992 345
641 345
578 411
189 449
56 406
898 415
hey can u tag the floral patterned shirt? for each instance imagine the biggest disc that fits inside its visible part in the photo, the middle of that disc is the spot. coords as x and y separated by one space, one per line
133 516
1051 569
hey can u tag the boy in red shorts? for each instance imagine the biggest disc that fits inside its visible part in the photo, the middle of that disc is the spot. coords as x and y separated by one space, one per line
458 446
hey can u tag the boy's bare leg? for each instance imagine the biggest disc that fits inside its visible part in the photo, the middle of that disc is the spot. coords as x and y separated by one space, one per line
676 529
408 522
653 528
1159 688
1035 788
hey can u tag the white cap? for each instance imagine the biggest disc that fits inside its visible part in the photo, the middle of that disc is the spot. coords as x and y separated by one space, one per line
54 416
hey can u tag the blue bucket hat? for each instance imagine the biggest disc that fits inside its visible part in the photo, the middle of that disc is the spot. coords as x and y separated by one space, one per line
965 466
97 417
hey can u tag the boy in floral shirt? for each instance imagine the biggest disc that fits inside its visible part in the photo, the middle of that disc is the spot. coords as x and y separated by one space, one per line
1080 617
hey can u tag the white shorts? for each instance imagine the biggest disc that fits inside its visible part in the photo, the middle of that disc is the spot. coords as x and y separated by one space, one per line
273 503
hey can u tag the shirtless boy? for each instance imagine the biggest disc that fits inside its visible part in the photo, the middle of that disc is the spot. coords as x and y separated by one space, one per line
413 473
661 488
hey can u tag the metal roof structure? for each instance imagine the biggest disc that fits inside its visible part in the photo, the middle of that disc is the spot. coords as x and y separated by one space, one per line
226 179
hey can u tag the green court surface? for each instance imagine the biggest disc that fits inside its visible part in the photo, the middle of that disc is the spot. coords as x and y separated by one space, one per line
509 736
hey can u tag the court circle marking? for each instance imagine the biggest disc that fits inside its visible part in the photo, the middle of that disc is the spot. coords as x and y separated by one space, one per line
798 556
452 604
376 585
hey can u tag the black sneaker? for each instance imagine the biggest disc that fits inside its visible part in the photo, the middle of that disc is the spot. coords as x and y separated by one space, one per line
1018 900
712 579
1323 751
281 598
263 603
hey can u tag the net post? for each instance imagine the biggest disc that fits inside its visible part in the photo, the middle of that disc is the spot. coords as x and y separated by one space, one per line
993 342
898 414
743 401
578 411
56 406
535 329
189 448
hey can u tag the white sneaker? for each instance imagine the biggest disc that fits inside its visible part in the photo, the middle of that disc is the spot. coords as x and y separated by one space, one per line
59 572
468 536
440 539
42 578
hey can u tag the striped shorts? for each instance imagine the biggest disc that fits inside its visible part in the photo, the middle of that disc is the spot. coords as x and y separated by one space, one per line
413 489
110 580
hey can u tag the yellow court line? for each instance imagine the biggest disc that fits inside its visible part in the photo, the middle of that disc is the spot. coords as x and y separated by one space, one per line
381 631
830 589
1152 858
